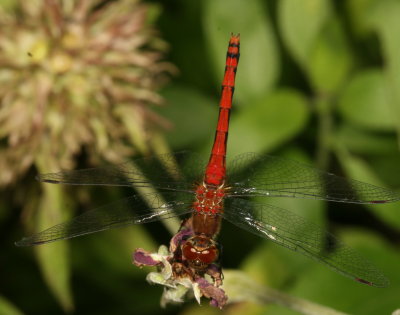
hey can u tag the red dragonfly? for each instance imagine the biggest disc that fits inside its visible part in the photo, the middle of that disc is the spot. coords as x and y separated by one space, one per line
215 194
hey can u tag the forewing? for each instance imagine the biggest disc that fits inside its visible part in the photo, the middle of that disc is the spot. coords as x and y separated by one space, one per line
131 210
159 171
252 175
299 235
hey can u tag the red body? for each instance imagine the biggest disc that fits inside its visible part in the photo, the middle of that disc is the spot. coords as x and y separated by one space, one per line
215 171
201 249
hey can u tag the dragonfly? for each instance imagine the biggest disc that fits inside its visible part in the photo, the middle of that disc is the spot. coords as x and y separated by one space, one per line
215 189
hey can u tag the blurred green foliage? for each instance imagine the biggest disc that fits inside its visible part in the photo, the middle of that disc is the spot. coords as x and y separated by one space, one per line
318 80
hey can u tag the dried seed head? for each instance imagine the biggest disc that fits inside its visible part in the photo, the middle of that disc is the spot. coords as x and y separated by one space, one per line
76 74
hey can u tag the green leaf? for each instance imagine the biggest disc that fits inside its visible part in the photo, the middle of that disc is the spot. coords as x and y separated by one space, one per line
359 12
267 266
388 167
382 17
317 41
188 110
54 258
259 62
300 25
364 101
269 123
359 141
329 60
322 285
7 308
385 20
358 169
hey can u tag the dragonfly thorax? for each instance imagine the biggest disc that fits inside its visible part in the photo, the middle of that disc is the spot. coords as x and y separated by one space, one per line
200 251
209 198
208 206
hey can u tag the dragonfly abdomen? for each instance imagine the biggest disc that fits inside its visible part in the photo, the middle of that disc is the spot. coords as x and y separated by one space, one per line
215 171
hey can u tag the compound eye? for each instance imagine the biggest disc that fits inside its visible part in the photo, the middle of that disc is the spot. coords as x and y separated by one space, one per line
209 255
189 252
199 257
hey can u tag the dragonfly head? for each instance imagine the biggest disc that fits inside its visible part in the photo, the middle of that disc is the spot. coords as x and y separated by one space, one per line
200 251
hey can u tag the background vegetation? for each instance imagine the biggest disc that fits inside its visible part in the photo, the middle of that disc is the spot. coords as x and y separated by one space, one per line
318 81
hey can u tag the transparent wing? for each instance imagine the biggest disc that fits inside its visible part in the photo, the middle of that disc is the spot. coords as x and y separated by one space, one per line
277 177
131 210
159 171
299 235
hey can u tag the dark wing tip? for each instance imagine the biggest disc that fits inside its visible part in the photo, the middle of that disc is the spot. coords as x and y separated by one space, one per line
383 201
382 283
